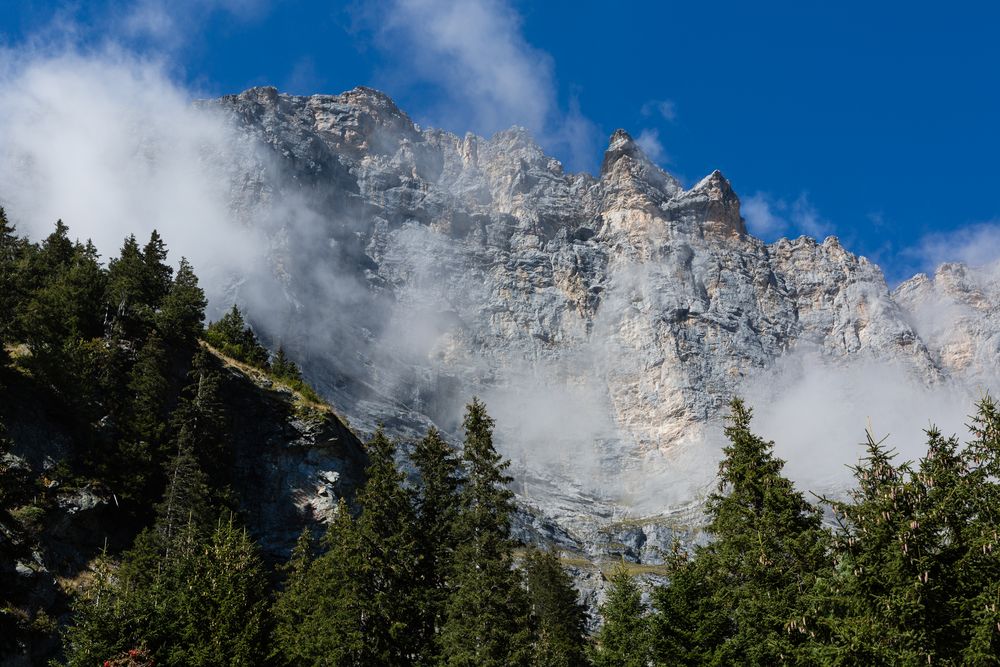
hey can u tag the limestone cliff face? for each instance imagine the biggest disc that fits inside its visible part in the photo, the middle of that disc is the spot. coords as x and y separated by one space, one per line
605 320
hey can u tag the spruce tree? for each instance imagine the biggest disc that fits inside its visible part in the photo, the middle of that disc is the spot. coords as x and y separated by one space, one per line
156 277
284 368
916 577
127 313
559 618
320 613
437 508
11 294
182 315
487 616
386 532
233 336
623 640
150 389
768 548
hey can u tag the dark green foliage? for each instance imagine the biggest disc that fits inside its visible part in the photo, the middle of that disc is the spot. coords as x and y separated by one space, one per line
199 600
437 508
234 337
623 640
318 616
182 317
156 273
12 251
738 597
487 614
558 617
141 449
916 576
284 368
356 603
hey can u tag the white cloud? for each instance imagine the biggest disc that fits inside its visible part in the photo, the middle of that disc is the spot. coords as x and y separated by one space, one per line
109 144
665 109
806 219
649 142
976 245
487 75
172 23
761 219
769 218
816 411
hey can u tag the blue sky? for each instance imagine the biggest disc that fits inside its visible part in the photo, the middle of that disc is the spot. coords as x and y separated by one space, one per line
872 121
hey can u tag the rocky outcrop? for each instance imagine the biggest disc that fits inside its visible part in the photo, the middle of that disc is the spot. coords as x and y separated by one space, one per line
604 320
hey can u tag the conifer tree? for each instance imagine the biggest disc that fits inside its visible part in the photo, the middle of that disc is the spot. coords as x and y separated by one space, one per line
559 618
235 337
200 420
386 532
487 616
283 367
319 614
126 311
623 640
217 599
11 295
437 508
916 571
150 389
156 273
182 315
768 547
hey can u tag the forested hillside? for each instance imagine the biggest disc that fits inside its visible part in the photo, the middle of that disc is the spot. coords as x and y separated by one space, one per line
137 526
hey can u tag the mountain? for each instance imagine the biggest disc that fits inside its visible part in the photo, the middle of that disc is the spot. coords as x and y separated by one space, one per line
604 320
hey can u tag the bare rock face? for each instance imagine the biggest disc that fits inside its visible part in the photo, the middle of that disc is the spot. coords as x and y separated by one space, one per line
605 321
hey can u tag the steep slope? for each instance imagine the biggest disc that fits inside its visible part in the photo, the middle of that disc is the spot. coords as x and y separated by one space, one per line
604 320
290 462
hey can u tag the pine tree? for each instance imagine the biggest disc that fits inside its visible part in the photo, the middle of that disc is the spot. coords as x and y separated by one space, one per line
623 640
356 603
284 368
319 615
216 602
916 577
437 508
293 604
768 548
186 501
182 315
386 532
233 336
150 389
487 616
200 420
11 293
559 618
126 311
156 273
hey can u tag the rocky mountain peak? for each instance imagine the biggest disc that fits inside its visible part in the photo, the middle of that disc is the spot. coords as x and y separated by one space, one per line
605 321
627 172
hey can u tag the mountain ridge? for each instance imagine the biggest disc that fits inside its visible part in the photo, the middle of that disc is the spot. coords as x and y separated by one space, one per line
605 320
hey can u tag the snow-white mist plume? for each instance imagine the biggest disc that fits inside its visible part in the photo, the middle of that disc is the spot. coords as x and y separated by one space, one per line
110 145
816 412
975 245
649 142
487 75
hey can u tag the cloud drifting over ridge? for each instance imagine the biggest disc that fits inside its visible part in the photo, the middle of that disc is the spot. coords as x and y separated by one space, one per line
111 145
488 76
